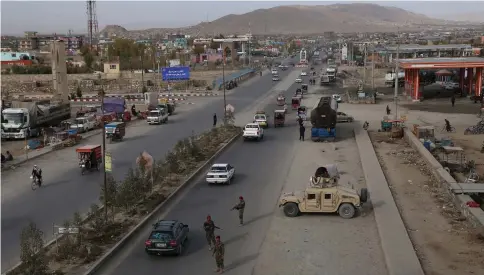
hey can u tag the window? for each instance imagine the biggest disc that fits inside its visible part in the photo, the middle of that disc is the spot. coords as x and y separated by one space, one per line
311 196
112 67
327 196
161 235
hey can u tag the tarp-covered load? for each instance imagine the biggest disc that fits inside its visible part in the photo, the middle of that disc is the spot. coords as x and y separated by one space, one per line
324 114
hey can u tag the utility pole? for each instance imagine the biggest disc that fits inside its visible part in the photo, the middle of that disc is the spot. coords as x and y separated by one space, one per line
223 83
250 38
373 70
396 77
364 67
103 134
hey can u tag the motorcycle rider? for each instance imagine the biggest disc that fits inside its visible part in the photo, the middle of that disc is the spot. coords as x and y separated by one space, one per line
37 173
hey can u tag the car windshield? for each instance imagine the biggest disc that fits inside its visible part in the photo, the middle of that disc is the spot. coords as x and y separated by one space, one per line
13 118
219 169
251 127
79 121
259 117
154 113
161 236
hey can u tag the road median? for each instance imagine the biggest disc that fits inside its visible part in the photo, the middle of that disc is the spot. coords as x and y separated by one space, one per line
131 204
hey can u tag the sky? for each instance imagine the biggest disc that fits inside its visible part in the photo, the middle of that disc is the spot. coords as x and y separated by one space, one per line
62 16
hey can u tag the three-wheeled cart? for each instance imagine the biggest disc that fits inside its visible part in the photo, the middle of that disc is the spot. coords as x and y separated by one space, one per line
281 100
115 131
304 88
279 118
299 93
90 157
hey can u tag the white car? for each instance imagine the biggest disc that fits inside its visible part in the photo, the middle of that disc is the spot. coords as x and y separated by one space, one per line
451 86
157 116
304 73
337 97
221 173
298 80
274 71
84 124
253 131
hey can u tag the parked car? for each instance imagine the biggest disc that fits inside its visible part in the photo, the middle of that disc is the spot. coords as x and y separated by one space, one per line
343 117
167 237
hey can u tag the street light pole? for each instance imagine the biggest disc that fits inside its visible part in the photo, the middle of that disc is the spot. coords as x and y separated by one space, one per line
105 177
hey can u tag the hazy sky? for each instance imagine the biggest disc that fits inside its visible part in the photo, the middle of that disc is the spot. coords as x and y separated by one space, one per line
60 16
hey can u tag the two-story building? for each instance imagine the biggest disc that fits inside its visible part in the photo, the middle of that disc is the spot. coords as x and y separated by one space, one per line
29 42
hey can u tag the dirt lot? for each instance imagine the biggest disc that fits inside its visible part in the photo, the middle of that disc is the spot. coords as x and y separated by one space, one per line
444 242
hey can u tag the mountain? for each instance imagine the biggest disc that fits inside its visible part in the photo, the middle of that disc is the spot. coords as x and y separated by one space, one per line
356 17
472 17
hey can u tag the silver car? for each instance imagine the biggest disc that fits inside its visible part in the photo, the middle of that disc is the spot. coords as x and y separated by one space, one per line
343 117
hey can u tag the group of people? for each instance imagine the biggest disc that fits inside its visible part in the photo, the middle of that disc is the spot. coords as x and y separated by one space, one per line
215 244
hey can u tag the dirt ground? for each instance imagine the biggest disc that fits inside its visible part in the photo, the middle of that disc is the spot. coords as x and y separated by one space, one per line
445 243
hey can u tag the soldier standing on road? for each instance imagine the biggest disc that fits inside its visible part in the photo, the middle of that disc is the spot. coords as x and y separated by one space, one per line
452 100
218 253
209 227
240 207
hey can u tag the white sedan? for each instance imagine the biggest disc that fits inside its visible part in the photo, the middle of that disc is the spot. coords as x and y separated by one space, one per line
221 173
298 80
304 73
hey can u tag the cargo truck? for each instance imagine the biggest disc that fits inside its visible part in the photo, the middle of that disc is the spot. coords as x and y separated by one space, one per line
26 119
390 79
331 72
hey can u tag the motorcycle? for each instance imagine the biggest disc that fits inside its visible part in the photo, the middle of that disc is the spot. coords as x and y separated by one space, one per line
366 125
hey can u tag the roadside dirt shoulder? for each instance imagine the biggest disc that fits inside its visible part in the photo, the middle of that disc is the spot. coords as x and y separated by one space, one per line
444 242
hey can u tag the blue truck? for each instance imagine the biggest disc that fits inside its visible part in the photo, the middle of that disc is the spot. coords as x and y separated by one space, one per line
323 119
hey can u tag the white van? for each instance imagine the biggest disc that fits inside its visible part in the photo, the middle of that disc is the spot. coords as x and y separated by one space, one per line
84 124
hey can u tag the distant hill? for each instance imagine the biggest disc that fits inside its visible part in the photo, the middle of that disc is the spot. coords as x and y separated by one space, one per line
356 17
472 17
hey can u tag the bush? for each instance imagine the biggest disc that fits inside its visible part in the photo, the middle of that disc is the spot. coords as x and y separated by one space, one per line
78 92
32 253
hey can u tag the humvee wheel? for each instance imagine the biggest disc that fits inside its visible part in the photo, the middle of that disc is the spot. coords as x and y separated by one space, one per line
291 209
364 195
346 211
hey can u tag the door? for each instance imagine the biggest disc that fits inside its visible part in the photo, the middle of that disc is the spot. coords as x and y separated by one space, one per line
328 200
312 201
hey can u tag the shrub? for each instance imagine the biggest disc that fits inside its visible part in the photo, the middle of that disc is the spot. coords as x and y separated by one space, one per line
32 253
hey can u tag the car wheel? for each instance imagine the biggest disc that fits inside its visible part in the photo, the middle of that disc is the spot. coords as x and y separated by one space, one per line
291 209
346 211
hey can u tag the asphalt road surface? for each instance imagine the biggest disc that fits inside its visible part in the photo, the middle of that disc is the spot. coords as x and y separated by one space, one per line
65 191
261 168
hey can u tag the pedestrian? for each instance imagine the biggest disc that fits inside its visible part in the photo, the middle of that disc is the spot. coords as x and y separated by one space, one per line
452 100
218 253
388 110
240 207
302 131
209 227
300 121
214 120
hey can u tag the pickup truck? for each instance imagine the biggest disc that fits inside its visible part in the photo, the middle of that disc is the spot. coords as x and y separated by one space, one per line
253 131
157 116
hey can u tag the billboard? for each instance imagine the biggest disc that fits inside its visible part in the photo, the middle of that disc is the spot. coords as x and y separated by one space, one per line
175 73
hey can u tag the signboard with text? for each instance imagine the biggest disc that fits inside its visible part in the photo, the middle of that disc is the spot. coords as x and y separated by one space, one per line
175 73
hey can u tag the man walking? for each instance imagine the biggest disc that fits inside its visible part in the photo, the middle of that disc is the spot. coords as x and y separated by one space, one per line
452 100
209 227
302 131
214 120
218 253
240 207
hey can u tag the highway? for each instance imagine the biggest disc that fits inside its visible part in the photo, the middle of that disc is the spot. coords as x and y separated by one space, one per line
261 168
66 191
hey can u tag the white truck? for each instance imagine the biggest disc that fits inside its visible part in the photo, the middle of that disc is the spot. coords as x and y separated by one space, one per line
253 131
325 80
390 79
26 119
157 116
331 72
85 123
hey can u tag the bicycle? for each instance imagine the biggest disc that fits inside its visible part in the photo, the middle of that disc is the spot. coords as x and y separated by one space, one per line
444 129
35 182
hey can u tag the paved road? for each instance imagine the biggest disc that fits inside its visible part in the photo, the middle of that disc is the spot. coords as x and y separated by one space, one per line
66 191
261 170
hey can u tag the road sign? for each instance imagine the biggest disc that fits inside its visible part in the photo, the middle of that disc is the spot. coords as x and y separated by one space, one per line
68 230
108 163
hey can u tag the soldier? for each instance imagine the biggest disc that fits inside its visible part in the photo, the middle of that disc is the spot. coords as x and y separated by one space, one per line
240 206
218 253
209 227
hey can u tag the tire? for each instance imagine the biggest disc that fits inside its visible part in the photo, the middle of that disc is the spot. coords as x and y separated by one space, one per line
34 185
364 195
291 209
346 211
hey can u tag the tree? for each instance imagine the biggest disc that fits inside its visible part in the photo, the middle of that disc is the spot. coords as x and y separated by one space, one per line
32 254
214 45
78 92
88 59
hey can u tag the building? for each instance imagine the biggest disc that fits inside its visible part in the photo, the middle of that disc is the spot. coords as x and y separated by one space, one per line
16 58
30 42
112 70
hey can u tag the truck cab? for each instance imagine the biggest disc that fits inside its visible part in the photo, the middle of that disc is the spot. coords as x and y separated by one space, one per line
15 123
157 116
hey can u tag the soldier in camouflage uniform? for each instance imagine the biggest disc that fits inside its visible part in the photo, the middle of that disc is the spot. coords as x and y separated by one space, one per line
240 207
209 227
218 253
